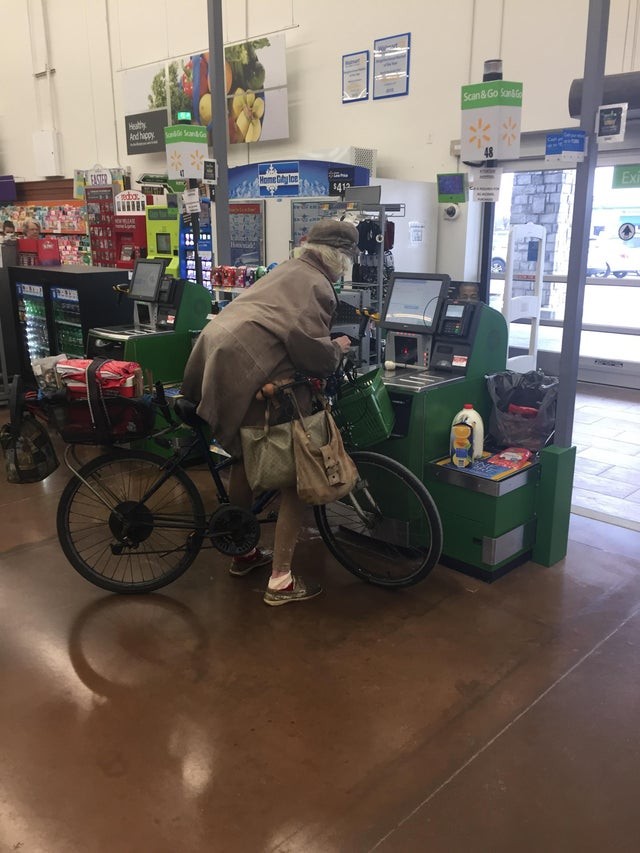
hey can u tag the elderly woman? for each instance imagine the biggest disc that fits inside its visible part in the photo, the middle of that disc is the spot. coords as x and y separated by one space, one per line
30 228
278 327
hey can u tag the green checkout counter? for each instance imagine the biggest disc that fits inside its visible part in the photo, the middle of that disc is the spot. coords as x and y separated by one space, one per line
167 314
441 350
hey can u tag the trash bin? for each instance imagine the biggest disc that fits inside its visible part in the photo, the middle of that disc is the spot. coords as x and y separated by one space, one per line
524 408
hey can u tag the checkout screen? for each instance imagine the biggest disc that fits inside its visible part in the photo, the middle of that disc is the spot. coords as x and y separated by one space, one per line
163 244
413 302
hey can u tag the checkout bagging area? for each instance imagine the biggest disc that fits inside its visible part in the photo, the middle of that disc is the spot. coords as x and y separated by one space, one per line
167 313
438 352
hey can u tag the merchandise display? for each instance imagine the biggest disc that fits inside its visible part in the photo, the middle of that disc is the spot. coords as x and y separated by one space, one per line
101 218
66 221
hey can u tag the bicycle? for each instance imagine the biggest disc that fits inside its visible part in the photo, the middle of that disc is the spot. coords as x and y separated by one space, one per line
131 521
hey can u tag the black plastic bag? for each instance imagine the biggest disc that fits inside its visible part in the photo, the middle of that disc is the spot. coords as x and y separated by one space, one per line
28 450
524 408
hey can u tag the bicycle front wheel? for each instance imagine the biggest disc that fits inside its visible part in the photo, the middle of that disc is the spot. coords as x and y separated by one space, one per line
388 530
124 529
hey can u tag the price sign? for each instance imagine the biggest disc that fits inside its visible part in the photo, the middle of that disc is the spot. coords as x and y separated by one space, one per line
341 179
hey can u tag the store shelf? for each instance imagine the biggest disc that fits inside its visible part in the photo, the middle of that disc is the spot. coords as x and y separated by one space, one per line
68 323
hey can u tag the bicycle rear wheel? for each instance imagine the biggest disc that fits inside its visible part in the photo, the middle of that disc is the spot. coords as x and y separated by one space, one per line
388 530
118 541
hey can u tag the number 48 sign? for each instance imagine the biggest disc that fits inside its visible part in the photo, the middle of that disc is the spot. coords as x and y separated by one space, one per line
491 121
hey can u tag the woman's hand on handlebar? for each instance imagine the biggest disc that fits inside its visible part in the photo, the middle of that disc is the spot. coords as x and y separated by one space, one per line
344 342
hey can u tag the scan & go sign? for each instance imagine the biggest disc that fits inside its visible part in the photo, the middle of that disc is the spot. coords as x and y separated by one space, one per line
491 115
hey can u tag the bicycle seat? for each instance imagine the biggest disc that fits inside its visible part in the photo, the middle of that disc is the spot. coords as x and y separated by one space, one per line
186 411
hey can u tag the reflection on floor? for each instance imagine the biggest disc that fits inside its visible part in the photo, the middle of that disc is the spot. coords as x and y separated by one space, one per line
607 436
451 717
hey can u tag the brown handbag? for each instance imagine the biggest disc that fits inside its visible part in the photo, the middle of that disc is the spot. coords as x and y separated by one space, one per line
324 470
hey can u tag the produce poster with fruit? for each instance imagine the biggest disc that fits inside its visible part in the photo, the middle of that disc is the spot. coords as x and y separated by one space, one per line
255 89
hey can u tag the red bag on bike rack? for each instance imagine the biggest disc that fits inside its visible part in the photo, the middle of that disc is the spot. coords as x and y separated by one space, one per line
101 419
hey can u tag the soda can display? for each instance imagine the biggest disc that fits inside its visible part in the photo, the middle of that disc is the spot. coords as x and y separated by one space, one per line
228 276
241 276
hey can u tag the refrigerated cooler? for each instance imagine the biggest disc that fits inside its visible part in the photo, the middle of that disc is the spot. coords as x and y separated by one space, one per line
49 310
205 247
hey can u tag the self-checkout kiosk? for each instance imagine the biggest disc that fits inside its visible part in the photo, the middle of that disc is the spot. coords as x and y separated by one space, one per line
167 313
438 351
163 236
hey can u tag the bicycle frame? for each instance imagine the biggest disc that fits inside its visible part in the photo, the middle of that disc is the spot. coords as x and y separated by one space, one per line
199 443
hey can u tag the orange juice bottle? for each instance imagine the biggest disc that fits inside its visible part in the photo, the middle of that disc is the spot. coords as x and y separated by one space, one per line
467 437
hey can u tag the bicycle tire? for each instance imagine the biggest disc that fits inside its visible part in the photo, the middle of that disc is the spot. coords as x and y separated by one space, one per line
125 547
401 541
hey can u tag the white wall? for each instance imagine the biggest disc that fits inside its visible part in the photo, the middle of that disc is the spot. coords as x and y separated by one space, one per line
91 41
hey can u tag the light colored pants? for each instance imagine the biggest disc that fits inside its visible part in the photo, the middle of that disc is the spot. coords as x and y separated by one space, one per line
290 516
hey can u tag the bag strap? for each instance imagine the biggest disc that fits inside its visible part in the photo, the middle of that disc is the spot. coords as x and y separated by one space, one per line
294 402
16 404
95 398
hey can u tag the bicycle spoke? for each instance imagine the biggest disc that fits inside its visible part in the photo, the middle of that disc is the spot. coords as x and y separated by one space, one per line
128 524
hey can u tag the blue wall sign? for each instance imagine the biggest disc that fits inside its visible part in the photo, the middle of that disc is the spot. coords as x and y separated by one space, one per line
303 178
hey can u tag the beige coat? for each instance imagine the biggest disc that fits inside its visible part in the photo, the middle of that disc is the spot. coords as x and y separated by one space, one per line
279 326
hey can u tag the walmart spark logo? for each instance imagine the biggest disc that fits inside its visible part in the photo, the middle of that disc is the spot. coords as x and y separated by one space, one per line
176 160
479 133
197 159
510 129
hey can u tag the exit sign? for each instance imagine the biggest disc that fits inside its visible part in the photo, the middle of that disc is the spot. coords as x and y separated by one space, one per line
626 177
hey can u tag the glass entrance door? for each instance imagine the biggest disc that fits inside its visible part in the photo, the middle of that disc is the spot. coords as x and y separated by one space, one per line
610 340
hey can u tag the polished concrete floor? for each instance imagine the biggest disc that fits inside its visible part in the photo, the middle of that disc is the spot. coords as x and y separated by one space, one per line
453 717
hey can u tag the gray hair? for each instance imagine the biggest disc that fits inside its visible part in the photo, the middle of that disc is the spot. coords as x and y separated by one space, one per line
337 262
28 223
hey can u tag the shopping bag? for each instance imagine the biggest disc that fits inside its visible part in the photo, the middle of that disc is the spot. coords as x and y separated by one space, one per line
324 470
524 408
28 451
267 453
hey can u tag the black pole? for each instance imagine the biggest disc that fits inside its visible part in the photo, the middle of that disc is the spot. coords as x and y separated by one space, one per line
195 227
492 71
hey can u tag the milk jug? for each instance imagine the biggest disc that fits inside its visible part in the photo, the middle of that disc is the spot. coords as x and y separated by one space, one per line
467 437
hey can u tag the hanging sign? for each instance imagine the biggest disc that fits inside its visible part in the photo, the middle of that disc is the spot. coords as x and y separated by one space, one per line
98 177
191 200
486 183
187 150
574 146
626 177
611 123
553 148
491 121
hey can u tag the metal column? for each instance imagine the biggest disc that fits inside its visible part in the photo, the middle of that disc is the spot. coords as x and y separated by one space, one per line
218 87
595 55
